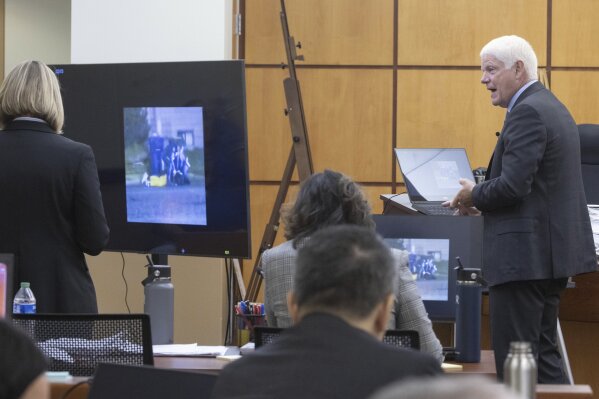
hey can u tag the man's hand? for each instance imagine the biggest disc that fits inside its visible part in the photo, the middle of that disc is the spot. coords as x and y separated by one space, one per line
462 202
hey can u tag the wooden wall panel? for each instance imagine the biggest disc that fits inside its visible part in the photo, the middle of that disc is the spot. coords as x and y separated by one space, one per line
447 109
579 91
583 351
331 31
441 32
348 115
575 33
269 134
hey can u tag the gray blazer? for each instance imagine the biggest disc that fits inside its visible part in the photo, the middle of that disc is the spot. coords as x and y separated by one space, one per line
536 220
278 264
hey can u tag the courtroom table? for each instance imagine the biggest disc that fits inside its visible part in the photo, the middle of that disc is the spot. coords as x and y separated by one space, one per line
486 367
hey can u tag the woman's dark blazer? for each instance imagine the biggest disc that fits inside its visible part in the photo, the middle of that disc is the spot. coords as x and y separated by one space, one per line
51 213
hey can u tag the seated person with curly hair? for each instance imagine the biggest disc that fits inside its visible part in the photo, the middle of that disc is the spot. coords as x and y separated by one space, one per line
328 199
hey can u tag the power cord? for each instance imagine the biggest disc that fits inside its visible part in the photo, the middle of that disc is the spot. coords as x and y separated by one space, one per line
89 381
126 285
388 201
228 270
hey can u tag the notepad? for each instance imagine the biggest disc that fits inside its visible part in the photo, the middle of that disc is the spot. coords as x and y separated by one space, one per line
452 367
188 350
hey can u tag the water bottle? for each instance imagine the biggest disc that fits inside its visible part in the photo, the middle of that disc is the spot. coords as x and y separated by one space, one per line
468 310
520 370
24 301
159 303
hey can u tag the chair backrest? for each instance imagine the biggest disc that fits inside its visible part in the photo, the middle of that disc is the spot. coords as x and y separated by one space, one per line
589 157
398 338
265 335
117 381
77 343
402 338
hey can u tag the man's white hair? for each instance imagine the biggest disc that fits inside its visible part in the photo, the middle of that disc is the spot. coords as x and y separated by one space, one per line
509 50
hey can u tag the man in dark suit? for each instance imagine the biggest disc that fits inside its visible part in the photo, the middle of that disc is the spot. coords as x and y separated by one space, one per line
537 227
341 301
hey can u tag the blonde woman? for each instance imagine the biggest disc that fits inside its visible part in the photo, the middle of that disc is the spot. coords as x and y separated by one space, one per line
50 207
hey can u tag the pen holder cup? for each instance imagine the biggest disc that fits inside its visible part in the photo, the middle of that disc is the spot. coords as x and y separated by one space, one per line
245 327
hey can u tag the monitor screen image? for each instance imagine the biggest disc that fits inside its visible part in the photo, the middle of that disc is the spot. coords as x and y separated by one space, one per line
433 243
170 143
429 265
164 165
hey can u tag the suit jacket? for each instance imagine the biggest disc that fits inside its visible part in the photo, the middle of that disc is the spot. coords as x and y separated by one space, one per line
51 212
278 265
536 220
322 357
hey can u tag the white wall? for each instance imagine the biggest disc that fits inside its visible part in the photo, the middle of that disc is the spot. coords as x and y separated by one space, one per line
37 29
103 31
150 30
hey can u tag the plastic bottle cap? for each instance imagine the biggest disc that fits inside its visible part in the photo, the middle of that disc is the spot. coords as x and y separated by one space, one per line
25 285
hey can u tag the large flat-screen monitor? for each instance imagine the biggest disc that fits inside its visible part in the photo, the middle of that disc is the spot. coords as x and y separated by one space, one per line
433 243
170 141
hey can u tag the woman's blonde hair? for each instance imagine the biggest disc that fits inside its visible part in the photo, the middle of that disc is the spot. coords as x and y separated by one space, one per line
31 89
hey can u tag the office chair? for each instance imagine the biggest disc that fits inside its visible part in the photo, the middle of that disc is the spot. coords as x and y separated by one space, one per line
589 156
398 338
77 343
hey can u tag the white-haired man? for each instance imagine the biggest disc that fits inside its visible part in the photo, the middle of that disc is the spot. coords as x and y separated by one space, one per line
537 228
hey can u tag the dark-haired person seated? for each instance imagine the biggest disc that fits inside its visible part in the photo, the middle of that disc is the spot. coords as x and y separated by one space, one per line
22 366
327 199
343 293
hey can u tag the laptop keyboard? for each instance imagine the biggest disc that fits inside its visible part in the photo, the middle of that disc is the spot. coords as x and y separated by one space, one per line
433 209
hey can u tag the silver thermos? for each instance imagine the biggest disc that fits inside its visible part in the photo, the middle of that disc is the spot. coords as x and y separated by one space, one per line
160 303
520 370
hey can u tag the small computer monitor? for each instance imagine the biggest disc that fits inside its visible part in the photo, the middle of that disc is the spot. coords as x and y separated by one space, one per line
433 243
6 284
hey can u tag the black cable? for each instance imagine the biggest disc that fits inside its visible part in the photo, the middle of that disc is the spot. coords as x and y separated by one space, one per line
72 388
228 336
388 201
126 285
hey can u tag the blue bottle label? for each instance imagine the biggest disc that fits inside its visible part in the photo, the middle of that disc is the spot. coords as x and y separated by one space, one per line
24 308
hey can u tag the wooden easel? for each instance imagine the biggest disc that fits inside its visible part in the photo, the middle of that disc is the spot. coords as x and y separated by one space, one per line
299 155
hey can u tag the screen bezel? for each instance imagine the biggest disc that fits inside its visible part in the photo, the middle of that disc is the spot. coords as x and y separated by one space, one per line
465 234
218 87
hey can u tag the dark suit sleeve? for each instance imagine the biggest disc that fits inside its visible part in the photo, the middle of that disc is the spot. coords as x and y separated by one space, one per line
91 228
525 139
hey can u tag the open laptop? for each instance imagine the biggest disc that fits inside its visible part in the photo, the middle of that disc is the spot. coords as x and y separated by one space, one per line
118 381
6 285
432 176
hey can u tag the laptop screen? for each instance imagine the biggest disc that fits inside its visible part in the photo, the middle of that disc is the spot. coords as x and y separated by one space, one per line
433 174
6 271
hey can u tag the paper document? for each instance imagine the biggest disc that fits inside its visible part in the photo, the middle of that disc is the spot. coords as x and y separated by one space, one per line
448 367
188 350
